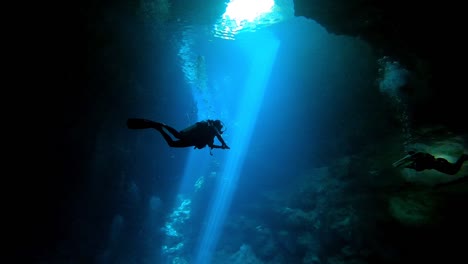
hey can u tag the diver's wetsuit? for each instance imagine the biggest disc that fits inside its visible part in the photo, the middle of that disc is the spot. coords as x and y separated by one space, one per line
198 135
424 161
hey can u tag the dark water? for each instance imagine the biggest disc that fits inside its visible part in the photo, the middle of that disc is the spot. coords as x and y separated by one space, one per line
305 191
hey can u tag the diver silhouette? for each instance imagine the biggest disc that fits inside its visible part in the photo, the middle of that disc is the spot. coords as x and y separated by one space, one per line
199 135
420 161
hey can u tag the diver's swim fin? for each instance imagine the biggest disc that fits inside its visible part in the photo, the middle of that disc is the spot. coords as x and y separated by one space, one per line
140 123
406 160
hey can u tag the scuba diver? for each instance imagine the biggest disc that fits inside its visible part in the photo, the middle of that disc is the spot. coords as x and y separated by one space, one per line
420 161
199 135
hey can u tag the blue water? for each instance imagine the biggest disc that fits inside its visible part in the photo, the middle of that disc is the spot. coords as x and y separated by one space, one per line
292 97
314 122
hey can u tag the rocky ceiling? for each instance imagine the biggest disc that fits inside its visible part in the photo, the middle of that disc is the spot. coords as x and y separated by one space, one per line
424 36
395 28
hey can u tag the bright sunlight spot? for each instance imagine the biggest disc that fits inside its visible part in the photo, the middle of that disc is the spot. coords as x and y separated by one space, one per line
247 10
251 15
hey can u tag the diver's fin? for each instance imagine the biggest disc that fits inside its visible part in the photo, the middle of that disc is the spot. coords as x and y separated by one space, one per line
140 123
403 161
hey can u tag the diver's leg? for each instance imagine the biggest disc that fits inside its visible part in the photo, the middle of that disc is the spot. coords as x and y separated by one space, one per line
173 131
171 142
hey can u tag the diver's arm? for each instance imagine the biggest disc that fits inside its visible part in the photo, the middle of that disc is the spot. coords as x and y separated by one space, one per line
220 138
224 146
212 146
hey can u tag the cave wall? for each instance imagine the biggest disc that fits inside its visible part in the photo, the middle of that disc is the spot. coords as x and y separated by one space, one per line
423 36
